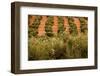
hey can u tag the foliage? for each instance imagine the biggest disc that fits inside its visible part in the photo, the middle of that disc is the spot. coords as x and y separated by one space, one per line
60 46
84 24
57 48
48 27
60 24
32 31
73 28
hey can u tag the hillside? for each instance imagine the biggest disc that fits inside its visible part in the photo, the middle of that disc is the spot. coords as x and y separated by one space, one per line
57 37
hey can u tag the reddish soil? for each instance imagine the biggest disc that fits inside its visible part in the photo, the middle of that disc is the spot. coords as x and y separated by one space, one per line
55 25
41 28
77 22
31 20
66 24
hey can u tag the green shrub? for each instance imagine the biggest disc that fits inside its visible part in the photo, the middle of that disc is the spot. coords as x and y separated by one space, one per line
77 47
38 50
57 47
84 23
48 26
33 31
60 24
72 28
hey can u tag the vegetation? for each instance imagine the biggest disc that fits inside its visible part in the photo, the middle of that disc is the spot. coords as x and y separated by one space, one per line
48 27
60 46
32 31
73 28
60 25
83 21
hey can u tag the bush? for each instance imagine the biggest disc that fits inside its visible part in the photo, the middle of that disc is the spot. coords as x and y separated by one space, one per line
48 26
38 49
77 47
60 24
84 24
58 47
32 31
73 28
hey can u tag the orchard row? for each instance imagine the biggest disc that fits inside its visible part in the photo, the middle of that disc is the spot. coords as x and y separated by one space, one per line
53 25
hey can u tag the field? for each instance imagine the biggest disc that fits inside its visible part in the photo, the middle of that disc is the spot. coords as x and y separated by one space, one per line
57 37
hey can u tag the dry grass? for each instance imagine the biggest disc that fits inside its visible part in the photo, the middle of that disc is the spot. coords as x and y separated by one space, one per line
58 47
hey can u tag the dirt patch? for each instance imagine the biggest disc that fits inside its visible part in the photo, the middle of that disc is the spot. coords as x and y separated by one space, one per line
31 20
41 28
66 24
77 22
55 25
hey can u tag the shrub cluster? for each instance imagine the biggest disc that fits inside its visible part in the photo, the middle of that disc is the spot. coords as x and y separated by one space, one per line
32 31
48 27
45 48
60 24
84 24
73 28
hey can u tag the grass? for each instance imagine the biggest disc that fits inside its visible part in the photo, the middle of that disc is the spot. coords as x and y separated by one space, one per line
61 46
